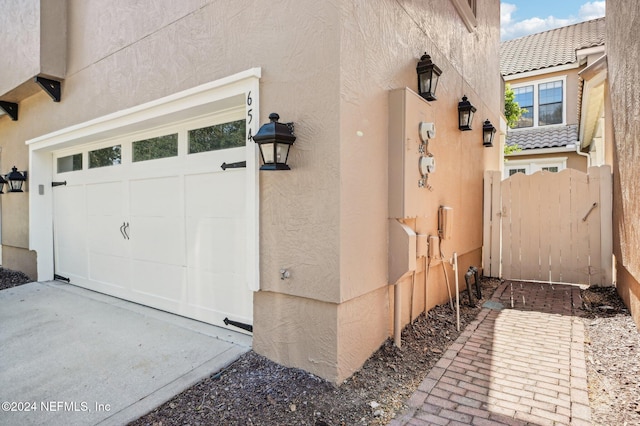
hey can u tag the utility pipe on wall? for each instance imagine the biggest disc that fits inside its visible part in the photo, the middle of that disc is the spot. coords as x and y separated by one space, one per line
455 271
397 329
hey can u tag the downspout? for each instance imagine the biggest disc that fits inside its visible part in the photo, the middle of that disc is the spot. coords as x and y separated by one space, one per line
583 154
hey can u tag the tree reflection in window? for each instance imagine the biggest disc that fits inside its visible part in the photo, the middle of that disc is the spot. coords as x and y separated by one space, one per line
219 136
109 156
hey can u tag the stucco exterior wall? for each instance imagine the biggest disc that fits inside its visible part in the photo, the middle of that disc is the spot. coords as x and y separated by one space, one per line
328 67
623 57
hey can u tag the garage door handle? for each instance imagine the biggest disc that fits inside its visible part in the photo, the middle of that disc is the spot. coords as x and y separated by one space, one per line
123 230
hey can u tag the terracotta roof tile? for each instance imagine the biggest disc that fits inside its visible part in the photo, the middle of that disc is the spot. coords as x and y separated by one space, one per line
550 48
543 137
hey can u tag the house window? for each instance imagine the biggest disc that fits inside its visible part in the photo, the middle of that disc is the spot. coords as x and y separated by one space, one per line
524 98
154 148
528 167
550 97
467 11
543 101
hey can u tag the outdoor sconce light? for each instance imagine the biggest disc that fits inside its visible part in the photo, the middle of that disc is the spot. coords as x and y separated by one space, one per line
465 114
274 140
428 74
487 133
16 179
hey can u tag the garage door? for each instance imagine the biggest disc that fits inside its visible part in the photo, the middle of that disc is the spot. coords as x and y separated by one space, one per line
152 217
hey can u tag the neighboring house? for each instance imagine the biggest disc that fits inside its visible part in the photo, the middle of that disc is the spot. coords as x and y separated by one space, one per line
559 78
125 193
623 65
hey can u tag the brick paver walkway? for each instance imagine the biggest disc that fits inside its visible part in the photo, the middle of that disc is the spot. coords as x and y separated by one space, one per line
520 362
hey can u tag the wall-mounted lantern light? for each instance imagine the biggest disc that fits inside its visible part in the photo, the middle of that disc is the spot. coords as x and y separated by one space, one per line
487 133
428 75
465 114
16 179
274 140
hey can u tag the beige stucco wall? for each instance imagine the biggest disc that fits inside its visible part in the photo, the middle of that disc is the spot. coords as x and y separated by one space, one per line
574 160
328 67
33 38
623 57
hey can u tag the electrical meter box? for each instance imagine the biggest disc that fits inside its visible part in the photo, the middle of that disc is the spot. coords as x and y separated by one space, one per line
407 110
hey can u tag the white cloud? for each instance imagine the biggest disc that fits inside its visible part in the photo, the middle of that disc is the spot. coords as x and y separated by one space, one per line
591 10
513 28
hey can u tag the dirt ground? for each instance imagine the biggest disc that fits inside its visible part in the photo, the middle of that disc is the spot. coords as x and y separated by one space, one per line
256 391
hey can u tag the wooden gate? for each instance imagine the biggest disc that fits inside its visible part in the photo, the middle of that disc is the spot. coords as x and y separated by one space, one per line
551 227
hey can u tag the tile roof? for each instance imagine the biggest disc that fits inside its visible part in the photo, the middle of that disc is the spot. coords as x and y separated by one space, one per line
543 137
550 48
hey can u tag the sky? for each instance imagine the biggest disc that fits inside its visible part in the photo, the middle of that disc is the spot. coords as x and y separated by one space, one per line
519 17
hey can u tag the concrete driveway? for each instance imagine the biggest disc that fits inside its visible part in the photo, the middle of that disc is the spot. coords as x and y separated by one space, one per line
70 356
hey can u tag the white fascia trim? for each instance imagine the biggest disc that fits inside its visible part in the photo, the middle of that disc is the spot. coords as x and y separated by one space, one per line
542 151
195 100
536 73
176 102
589 51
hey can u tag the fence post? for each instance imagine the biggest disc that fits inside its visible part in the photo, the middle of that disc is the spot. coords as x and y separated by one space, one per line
606 225
491 235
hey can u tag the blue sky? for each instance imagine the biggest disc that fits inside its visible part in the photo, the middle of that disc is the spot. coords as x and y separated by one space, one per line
519 18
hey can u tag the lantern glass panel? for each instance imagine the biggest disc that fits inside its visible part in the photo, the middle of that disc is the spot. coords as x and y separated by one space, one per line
267 151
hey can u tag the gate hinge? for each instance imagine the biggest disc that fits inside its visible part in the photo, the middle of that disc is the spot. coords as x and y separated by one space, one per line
241 325
60 278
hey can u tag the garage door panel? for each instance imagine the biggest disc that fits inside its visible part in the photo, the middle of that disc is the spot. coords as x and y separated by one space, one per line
106 235
105 199
157 239
225 293
156 197
216 244
70 230
111 270
156 280
223 194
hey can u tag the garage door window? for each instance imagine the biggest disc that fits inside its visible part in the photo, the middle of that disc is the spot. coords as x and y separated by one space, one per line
154 148
219 136
104 157
70 163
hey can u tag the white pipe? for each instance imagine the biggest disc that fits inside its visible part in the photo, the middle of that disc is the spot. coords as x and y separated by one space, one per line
455 269
397 329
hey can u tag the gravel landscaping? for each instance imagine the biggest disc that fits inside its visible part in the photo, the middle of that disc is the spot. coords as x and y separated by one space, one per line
256 391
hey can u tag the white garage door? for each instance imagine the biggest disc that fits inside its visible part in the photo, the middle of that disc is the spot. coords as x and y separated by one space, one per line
153 218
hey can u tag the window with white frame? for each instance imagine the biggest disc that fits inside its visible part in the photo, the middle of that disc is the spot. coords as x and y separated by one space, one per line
543 101
531 166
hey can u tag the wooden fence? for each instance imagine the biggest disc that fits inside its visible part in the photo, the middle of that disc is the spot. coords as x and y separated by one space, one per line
550 227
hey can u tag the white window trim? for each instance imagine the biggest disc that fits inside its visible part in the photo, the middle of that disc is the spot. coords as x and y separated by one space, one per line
194 102
535 165
466 13
536 84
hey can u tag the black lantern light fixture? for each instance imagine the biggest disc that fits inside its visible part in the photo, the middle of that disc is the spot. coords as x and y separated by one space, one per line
428 75
274 140
16 179
465 114
487 133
